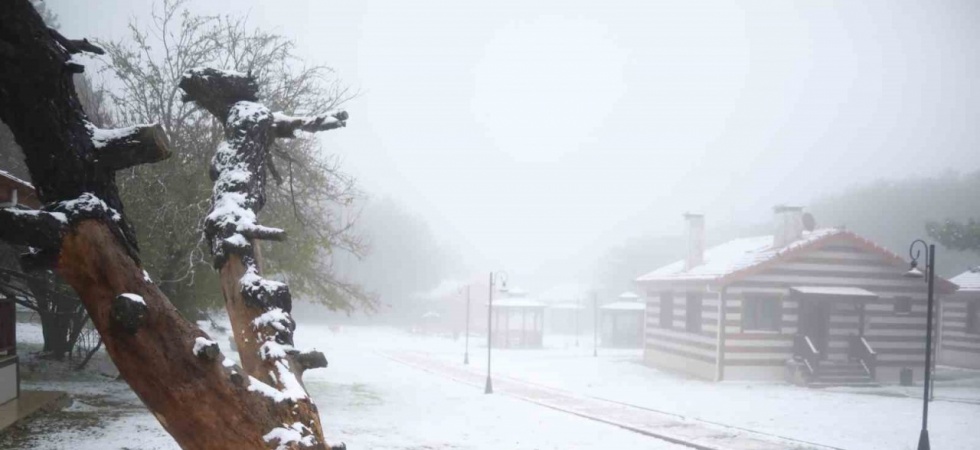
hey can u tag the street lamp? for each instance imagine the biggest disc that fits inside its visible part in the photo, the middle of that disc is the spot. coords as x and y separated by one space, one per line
930 275
503 276
595 324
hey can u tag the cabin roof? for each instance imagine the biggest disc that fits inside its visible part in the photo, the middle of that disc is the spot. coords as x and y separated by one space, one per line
968 281
733 256
740 258
25 191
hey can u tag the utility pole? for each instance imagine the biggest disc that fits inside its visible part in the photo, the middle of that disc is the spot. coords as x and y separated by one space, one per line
466 356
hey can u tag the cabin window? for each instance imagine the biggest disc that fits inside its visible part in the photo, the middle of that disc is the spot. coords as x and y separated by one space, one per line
903 305
692 316
762 313
973 317
666 310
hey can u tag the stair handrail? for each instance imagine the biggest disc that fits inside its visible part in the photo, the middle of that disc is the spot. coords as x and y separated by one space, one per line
804 350
862 351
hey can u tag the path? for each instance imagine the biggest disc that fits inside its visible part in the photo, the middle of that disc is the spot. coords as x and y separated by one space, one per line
669 427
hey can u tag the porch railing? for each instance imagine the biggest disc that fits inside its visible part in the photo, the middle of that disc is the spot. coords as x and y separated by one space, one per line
805 351
860 350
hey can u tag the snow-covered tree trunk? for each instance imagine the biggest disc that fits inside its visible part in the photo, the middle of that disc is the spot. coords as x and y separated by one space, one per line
201 399
259 308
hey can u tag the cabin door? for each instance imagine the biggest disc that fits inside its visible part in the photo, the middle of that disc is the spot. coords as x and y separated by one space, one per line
815 323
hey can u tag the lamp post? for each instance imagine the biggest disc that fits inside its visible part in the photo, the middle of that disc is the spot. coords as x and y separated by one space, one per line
466 355
595 324
489 387
930 275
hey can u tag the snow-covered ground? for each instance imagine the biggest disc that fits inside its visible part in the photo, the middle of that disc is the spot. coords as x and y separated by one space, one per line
370 401
886 418
365 399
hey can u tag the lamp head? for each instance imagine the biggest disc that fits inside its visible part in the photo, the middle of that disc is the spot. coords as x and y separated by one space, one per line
914 271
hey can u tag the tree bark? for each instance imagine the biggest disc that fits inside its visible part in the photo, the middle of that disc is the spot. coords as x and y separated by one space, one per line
203 401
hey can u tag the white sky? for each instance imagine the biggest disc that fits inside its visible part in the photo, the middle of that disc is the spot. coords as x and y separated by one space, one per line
527 131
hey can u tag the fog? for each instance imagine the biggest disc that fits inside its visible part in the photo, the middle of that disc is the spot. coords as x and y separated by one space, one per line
637 224
534 136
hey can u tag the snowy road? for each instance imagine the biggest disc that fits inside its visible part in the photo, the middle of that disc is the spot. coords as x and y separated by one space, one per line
672 428
365 400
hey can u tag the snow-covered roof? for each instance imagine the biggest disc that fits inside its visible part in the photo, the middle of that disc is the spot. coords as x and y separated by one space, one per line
837 291
968 281
733 256
624 306
629 296
515 292
517 303
565 305
11 177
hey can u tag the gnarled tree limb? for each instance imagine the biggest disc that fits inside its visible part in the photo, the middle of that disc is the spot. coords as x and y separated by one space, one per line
38 229
201 401
259 308
285 126
76 45
123 148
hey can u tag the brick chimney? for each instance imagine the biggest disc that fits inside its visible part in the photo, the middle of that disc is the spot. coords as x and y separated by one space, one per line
788 221
695 240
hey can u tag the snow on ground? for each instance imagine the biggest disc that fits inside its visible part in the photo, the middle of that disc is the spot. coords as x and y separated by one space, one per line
365 400
886 418
370 401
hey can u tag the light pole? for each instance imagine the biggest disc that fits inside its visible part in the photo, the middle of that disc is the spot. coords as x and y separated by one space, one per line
466 356
595 324
930 275
489 387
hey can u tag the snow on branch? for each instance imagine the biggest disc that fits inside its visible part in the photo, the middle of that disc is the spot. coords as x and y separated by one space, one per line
205 348
285 126
216 90
122 148
285 436
38 229
75 45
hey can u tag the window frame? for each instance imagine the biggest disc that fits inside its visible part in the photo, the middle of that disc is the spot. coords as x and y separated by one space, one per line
972 325
666 298
899 301
757 324
690 325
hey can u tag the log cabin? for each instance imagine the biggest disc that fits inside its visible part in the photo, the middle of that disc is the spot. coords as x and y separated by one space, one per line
14 193
960 324
818 307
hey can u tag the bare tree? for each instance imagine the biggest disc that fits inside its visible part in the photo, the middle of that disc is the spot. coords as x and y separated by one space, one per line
311 194
83 234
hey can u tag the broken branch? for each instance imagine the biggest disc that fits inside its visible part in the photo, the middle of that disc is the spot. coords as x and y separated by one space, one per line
38 229
122 148
285 126
75 45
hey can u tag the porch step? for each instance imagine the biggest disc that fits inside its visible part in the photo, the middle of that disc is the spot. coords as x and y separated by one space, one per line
841 373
